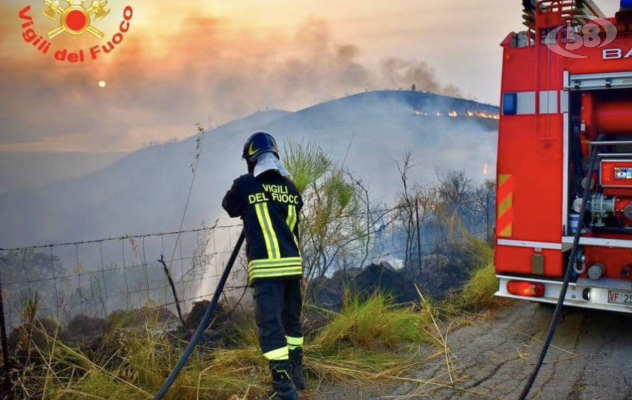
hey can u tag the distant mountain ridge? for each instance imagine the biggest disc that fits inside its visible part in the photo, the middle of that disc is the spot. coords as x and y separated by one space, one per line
146 191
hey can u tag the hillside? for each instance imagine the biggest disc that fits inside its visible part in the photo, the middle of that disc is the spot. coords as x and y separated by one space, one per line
19 170
146 190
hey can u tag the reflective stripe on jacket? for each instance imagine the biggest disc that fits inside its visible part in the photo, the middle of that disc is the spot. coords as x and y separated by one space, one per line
269 206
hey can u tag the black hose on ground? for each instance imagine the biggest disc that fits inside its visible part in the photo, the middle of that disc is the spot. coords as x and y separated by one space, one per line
205 320
567 277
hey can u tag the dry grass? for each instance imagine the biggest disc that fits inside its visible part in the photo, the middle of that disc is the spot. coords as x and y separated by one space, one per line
360 344
355 346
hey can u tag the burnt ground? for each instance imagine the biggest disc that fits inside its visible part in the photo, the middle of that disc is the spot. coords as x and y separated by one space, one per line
492 358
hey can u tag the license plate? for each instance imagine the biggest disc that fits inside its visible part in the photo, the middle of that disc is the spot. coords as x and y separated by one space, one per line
617 297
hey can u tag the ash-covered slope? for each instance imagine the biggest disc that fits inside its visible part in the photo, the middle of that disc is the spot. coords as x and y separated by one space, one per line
370 131
146 191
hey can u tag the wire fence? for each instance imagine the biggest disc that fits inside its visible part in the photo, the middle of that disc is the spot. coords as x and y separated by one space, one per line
96 278
99 277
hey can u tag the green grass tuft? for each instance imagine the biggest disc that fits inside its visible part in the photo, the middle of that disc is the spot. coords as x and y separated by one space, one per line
479 292
374 321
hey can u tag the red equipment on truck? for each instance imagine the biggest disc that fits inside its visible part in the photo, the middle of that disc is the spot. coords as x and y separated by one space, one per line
566 94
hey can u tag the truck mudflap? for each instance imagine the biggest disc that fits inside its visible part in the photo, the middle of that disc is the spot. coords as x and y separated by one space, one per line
603 294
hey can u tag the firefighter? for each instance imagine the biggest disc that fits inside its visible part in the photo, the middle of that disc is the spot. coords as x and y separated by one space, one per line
269 205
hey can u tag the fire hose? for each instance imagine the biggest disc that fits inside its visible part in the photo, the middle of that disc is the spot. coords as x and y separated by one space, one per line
567 276
205 320
556 316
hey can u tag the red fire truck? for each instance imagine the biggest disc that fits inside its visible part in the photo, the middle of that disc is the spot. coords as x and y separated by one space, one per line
566 96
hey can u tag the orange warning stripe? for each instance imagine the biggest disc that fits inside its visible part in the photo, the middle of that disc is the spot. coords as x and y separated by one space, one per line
504 225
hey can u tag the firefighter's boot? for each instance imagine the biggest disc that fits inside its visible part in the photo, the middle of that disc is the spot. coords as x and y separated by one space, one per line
282 381
296 361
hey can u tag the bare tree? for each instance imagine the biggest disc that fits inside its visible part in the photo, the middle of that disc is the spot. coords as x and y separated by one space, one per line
483 206
406 202
425 204
362 194
455 190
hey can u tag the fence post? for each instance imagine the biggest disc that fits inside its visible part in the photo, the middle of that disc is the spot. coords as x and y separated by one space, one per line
6 382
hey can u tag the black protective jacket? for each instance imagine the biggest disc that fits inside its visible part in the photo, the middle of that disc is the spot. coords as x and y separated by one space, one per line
269 206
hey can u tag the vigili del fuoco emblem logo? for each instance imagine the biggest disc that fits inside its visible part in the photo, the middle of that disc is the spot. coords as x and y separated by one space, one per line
74 19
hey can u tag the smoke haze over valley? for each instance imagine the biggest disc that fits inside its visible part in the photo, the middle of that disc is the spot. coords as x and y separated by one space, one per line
26 169
146 190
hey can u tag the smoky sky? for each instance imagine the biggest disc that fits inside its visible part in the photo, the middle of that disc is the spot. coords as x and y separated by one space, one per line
206 70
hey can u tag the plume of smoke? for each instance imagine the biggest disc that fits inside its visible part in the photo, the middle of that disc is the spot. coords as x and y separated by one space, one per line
398 73
159 84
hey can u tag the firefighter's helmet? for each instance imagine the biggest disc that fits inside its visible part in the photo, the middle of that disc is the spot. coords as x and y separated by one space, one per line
259 143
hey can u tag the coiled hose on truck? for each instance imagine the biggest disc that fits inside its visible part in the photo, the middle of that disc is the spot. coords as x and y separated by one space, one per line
205 320
567 275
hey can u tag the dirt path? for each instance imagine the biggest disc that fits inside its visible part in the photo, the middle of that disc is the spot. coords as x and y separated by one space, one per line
492 359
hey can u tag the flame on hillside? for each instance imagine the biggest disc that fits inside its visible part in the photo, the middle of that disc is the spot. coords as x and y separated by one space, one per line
456 114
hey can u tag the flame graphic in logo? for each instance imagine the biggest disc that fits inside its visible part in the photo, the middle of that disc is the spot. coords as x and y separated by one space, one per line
75 19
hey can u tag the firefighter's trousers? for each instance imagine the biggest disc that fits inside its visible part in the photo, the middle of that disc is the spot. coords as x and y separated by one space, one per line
278 305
